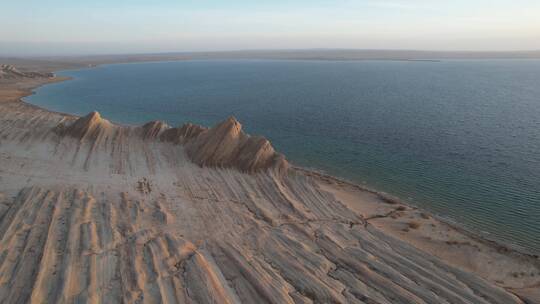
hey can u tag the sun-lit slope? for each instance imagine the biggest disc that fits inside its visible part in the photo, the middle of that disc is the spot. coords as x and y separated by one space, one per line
95 212
223 146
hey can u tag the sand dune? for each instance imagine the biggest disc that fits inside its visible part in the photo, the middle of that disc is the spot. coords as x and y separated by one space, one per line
95 212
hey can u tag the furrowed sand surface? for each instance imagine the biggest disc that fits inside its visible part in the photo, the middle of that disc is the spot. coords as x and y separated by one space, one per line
91 211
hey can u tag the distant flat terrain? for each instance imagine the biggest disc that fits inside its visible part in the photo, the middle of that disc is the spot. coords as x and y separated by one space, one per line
51 63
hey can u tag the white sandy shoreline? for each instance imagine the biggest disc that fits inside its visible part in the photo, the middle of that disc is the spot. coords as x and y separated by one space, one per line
392 199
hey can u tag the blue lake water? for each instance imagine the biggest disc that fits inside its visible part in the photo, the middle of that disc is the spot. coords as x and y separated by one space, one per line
458 138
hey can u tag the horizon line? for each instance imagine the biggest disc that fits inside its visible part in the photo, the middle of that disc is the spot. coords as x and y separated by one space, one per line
164 53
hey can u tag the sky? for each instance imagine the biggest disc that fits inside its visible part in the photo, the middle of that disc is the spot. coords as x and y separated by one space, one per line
70 27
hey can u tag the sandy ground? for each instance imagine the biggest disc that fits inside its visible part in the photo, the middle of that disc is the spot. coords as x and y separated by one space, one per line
494 262
107 214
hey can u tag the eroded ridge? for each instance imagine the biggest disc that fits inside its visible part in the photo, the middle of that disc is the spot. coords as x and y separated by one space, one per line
10 72
93 212
224 145
71 245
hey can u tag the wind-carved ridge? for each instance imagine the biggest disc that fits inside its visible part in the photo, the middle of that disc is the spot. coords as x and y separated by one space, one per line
224 145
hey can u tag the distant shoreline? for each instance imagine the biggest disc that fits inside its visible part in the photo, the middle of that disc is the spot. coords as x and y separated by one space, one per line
55 63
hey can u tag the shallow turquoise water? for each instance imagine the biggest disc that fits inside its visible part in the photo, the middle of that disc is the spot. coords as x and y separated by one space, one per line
459 138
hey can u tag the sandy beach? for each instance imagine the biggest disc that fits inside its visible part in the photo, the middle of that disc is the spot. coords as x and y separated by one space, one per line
93 211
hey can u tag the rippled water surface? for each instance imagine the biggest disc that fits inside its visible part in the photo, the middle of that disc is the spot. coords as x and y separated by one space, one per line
459 138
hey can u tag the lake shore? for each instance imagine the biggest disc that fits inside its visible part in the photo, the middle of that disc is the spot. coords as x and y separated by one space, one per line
167 199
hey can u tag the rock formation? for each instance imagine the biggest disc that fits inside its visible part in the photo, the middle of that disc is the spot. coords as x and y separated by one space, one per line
10 72
92 212
90 127
183 134
152 130
224 145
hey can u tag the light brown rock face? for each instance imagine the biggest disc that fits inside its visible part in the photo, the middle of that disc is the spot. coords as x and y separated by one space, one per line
10 72
153 129
90 127
183 134
226 145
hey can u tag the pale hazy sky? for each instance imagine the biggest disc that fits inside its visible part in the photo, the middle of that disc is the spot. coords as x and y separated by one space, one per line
32 27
